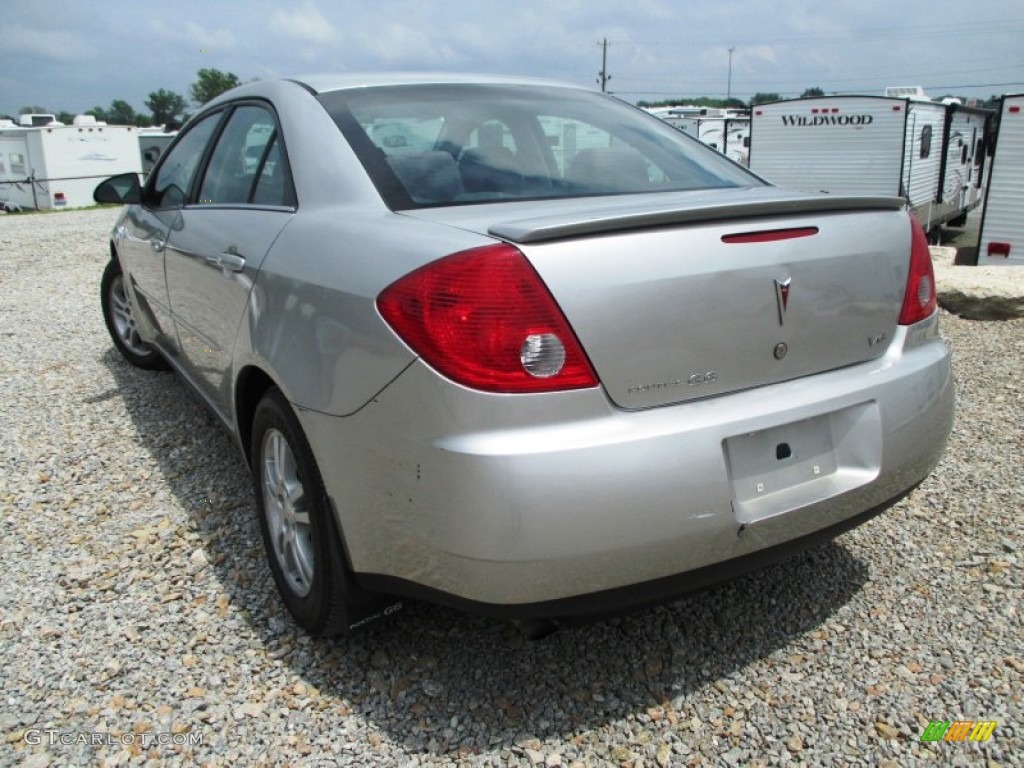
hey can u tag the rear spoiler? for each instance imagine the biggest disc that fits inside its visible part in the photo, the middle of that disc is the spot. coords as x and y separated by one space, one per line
595 221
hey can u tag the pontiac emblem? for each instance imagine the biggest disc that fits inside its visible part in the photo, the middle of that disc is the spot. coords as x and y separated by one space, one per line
782 297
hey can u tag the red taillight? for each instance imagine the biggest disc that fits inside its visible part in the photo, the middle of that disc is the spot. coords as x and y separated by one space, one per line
484 319
919 300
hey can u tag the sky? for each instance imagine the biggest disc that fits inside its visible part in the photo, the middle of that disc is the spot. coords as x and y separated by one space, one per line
76 54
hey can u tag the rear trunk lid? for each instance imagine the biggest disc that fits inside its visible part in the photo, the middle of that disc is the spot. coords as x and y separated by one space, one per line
709 293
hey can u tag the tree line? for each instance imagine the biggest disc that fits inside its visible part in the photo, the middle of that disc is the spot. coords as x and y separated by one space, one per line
165 107
169 109
764 98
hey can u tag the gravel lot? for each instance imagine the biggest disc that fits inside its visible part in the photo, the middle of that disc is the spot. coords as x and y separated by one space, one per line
136 602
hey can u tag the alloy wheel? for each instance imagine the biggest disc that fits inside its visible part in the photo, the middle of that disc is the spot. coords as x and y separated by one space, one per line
288 521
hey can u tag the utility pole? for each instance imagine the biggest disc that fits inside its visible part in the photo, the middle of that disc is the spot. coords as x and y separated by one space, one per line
603 77
728 90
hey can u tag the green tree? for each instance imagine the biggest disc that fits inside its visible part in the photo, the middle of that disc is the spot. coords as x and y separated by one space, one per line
763 98
120 113
66 117
211 83
166 106
815 91
34 111
99 113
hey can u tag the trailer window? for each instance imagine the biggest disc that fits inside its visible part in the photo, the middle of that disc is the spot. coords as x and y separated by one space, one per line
926 141
17 164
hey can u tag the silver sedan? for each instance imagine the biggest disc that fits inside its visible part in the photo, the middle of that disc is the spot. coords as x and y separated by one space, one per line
521 348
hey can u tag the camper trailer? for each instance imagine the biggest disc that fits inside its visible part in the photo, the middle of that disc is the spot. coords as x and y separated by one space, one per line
907 146
51 165
1001 240
726 130
721 129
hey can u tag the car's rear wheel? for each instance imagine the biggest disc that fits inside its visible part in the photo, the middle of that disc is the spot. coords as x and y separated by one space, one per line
299 534
120 320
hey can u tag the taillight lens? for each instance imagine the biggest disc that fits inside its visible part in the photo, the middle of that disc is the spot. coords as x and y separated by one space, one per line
919 301
484 319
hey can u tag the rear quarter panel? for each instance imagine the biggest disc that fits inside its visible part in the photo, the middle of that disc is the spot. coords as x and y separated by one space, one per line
312 321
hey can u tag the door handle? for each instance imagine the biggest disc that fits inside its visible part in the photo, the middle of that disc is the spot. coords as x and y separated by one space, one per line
228 262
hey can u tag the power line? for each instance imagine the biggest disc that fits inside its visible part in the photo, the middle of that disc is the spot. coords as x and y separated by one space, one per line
860 79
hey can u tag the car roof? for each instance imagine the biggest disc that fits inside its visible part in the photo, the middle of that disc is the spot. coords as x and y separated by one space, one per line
321 83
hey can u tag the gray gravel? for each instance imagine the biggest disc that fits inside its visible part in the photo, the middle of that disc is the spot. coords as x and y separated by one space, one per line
136 601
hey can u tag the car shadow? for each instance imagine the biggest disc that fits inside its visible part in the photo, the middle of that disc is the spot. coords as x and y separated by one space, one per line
436 681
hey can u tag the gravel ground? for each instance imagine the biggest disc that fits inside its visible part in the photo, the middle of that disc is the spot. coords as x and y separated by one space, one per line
137 607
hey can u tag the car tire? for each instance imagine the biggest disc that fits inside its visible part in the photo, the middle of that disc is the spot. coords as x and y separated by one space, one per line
299 532
119 318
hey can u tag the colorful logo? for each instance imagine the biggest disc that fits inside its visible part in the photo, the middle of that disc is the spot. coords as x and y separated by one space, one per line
958 730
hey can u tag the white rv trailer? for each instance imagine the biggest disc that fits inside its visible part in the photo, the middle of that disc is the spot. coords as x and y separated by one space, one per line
726 130
1001 240
968 165
721 129
58 166
930 153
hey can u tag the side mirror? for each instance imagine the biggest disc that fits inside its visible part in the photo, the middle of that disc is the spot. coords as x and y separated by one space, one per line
123 189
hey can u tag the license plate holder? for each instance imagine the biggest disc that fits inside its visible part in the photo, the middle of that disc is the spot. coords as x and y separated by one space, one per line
790 465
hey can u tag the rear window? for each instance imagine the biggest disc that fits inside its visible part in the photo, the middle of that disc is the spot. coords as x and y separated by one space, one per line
432 145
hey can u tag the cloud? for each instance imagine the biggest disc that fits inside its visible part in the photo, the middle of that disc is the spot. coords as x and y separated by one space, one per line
210 39
401 44
193 35
305 23
58 44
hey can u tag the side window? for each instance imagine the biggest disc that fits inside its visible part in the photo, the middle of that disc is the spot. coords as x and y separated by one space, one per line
174 179
274 185
926 141
238 158
17 164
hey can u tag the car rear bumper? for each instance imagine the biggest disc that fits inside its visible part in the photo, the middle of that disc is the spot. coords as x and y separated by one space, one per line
526 502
